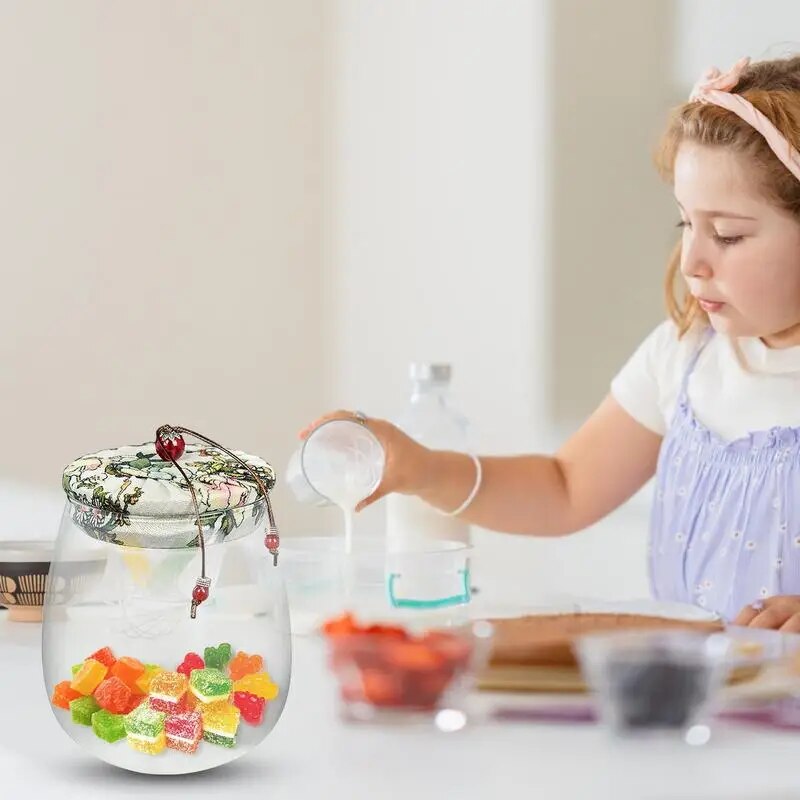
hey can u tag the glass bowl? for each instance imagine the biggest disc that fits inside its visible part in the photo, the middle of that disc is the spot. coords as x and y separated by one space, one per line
655 681
413 671
324 580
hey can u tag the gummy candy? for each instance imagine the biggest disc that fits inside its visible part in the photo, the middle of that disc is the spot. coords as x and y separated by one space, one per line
136 701
82 709
243 664
63 694
105 657
220 723
150 745
150 671
190 661
251 706
113 695
75 668
166 691
108 726
143 721
89 677
217 657
184 731
128 670
259 684
210 685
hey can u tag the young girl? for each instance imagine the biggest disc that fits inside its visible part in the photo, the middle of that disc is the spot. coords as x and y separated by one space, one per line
709 403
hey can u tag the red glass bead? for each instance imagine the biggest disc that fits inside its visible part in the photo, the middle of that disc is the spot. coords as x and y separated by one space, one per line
200 593
170 445
272 541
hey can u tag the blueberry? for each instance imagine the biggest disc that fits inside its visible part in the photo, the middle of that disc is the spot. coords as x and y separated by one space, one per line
657 694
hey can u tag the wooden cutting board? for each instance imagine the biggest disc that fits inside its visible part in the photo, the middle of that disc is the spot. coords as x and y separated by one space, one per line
562 680
535 653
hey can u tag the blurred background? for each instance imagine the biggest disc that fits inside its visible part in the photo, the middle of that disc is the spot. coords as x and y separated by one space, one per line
235 216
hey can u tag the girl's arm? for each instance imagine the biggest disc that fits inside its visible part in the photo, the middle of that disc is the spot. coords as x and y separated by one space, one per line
600 467
605 462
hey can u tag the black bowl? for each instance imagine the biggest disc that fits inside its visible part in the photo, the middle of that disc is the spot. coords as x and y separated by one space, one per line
24 566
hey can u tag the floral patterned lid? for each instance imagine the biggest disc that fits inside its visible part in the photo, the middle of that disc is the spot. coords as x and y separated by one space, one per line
131 496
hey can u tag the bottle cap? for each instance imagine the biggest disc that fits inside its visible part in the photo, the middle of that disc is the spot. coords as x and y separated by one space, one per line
422 371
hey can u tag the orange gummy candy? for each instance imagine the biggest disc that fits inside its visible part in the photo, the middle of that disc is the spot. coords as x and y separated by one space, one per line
128 670
63 694
243 664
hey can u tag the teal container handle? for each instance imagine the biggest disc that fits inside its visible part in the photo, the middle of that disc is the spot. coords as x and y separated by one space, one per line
442 602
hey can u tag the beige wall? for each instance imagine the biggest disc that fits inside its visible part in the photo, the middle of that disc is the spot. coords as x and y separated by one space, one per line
612 218
160 213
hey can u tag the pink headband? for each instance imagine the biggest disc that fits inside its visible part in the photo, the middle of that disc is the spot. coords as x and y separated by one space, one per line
715 88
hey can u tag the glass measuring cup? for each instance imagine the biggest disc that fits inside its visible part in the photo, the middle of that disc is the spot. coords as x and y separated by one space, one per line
340 462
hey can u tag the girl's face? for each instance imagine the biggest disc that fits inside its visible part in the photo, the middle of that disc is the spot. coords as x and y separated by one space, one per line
740 253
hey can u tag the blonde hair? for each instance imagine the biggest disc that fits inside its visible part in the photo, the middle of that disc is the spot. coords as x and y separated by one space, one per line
773 87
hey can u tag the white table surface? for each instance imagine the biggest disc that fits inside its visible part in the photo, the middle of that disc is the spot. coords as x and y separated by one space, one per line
312 754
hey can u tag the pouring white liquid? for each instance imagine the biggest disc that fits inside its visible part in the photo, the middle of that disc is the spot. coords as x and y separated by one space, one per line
341 462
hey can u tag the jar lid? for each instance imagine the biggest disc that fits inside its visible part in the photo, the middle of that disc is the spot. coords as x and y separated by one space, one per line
131 496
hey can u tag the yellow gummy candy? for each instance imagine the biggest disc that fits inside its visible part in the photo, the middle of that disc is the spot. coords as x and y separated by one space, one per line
259 684
151 748
89 676
220 717
143 684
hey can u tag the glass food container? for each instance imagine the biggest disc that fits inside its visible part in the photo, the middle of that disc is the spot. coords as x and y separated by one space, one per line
166 644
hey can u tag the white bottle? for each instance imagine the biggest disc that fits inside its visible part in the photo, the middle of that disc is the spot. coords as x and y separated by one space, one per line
432 421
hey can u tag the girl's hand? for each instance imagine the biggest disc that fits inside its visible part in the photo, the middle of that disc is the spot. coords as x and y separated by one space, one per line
781 612
406 460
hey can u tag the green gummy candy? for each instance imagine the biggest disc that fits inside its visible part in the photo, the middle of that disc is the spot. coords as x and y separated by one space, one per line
144 721
108 726
215 738
211 682
82 709
75 668
217 657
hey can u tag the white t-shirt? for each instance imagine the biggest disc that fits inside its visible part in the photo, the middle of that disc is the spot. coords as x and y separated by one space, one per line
729 398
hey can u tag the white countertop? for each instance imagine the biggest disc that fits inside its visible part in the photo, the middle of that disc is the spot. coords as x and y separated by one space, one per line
312 754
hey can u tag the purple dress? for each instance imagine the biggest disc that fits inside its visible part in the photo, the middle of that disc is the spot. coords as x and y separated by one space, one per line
725 528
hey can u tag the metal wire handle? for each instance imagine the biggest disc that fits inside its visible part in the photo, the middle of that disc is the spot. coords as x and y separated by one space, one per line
170 445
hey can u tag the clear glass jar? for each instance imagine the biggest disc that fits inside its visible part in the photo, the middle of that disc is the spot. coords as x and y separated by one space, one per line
119 600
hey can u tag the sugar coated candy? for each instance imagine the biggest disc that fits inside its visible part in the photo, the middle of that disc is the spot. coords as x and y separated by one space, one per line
259 683
243 664
128 670
75 668
190 661
89 676
105 656
251 706
113 695
82 709
184 731
210 685
144 721
220 723
108 726
167 690
150 671
63 694
152 746
217 657
145 730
